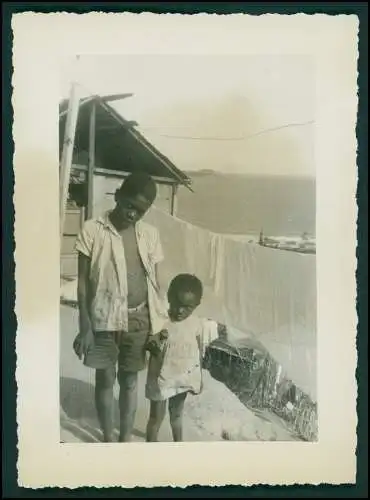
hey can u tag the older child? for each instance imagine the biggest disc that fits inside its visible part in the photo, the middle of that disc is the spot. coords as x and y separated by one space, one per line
175 365
119 299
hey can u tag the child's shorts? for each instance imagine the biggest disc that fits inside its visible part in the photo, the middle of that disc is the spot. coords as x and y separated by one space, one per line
126 348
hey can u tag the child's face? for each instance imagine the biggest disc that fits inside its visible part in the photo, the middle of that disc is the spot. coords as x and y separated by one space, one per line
182 304
130 209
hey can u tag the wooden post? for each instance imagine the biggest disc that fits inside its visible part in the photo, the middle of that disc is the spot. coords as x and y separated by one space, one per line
174 200
90 172
67 153
82 216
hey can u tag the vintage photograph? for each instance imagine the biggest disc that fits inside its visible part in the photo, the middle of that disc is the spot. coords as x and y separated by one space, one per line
188 248
185 237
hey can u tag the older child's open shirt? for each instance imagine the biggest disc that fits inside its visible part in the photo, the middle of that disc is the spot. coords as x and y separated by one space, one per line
100 241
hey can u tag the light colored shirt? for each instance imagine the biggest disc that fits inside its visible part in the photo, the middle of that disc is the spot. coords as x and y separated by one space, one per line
177 368
108 283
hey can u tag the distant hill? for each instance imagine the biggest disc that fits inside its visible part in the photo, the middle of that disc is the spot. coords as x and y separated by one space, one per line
204 171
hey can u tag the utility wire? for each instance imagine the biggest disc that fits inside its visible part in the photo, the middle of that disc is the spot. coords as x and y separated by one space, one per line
240 138
198 138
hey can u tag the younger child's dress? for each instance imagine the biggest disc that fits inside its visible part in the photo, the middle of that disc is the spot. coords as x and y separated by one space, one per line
177 368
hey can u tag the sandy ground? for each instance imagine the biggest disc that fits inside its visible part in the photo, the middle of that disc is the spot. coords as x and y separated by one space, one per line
216 414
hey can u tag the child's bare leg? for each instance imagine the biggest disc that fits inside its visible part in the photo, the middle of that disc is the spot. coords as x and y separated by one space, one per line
127 403
157 413
176 407
104 382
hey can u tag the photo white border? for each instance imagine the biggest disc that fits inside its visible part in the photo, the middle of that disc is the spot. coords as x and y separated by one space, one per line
41 42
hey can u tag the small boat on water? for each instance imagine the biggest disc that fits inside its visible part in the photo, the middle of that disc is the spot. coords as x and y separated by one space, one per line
301 244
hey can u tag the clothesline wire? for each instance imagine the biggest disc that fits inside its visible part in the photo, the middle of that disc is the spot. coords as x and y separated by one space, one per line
210 138
240 138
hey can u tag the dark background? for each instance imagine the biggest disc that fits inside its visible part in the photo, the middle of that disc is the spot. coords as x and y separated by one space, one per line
9 388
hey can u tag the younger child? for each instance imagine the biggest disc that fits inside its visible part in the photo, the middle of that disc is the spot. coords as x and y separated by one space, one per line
175 365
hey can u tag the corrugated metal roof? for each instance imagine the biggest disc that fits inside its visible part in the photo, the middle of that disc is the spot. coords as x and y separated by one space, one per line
119 146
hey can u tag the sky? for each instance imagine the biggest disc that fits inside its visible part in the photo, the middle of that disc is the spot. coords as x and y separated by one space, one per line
230 113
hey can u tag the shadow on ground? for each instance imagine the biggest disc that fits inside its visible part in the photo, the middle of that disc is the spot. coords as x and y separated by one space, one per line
78 414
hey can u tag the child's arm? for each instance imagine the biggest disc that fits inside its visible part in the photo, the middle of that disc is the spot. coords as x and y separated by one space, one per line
199 340
200 345
85 338
210 332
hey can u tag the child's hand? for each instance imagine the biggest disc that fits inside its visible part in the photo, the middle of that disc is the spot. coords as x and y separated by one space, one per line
163 335
154 344
83 342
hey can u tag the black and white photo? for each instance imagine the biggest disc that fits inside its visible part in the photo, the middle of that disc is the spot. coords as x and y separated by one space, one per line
201 167
185 249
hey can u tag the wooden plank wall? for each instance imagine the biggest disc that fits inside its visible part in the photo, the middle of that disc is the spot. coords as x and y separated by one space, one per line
72 226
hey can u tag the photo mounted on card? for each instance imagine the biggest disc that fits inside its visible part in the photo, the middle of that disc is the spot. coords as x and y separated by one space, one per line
189 272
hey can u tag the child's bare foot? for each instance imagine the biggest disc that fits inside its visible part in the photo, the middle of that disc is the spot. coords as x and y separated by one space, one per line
108 439
124 439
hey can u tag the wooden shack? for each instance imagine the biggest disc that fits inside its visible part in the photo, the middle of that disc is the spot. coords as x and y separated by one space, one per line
106 149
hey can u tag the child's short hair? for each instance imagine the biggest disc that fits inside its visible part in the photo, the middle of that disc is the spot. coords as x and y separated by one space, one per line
186 283
139 183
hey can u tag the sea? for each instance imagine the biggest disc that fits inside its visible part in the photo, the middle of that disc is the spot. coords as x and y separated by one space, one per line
239 204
